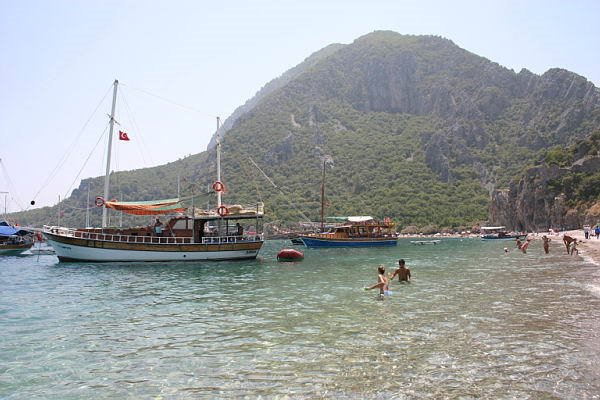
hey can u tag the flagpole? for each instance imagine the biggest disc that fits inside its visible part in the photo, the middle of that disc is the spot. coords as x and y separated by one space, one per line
110 135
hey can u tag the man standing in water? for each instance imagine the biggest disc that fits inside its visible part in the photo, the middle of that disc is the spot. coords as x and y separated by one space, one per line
402 272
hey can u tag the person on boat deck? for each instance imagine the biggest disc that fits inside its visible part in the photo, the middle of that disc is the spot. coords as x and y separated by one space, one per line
382 282
240 229
158 227
402 272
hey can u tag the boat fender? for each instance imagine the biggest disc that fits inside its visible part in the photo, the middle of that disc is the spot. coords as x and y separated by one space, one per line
222 211
218 186
99 201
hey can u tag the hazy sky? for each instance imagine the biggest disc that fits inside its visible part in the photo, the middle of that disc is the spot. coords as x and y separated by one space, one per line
181 63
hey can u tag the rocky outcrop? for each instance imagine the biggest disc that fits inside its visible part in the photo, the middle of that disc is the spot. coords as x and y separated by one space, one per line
530 204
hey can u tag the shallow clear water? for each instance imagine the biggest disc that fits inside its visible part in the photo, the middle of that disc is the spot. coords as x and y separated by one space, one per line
475 323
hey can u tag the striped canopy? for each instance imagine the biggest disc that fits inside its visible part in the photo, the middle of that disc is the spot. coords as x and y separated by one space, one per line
152 207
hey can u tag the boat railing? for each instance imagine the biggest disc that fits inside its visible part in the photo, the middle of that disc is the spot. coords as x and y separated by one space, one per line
117 237
232 239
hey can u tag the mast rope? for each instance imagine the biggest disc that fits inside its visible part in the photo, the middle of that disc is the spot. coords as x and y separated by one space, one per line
281 191
85 162
171 102
63 159
11 186
143 147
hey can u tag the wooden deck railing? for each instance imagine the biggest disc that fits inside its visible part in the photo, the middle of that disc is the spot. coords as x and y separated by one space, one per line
116 237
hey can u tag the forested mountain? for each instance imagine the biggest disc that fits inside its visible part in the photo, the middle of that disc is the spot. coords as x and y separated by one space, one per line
410 127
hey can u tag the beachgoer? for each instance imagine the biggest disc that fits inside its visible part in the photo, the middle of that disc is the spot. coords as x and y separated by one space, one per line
525 245
402 272
382 282
567 240
158 227
506 249
586 231
597 231
574 247
546 240
518 243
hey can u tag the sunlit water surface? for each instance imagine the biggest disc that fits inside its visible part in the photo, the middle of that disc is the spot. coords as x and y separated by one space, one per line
475 323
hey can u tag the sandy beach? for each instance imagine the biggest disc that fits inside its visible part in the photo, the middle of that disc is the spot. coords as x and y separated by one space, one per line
588 248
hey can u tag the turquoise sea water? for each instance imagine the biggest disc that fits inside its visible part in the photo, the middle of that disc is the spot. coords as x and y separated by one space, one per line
475 323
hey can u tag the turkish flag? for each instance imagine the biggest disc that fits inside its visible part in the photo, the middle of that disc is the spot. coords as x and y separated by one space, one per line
123 136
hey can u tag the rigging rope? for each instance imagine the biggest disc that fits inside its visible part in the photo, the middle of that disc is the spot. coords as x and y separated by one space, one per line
138 131
281 191
172 102
63 159
11 186
86 161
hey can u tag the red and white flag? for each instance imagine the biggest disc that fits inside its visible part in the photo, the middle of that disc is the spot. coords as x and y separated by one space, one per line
123 136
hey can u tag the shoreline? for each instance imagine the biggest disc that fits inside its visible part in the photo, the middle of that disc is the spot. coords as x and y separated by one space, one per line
589 249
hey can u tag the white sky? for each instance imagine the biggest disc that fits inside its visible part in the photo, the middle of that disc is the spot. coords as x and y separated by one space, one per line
58 58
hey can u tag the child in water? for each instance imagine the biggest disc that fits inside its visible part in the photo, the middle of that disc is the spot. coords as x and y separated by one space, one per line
382 282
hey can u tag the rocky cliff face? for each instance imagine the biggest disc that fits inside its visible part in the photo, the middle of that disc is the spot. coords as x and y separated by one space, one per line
530 205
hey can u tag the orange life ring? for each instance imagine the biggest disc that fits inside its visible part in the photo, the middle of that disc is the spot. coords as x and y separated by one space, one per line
218 186
223 211
99 201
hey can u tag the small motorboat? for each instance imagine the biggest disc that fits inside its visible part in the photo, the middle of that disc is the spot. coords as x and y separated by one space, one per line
422 242
289 255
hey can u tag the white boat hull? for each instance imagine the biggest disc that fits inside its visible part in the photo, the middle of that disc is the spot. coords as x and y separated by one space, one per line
73 249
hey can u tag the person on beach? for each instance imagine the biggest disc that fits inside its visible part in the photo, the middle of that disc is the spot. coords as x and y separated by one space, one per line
546 240
586 231
382 282
567 240
574 247
597 231
402 272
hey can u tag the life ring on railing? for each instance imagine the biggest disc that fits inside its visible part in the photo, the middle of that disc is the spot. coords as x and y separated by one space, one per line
218 186
223 211
99 201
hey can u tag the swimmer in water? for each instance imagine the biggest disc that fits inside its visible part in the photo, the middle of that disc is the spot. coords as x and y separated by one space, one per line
382 282
546 240
402 272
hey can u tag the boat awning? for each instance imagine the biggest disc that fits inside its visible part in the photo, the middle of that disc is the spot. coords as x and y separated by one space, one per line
153 207
492 228
360 218
10 231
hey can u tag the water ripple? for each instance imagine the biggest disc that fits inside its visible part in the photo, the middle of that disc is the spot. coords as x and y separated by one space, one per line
475 323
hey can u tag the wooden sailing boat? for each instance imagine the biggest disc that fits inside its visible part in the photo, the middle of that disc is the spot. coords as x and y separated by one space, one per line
355 231
225 233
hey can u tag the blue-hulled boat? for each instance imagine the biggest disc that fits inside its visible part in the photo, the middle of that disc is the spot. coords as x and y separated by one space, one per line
355 232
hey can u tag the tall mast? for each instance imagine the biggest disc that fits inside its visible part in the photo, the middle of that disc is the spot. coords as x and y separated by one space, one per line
87 209
323 198
110 135
218 163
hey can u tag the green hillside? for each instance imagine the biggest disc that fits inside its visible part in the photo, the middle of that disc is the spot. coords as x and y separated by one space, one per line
413 127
